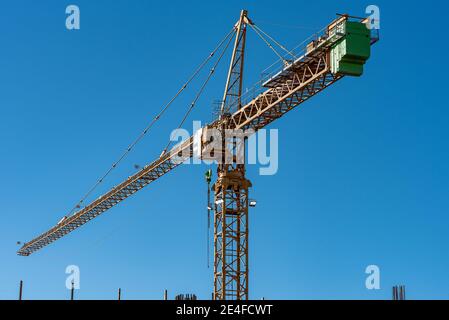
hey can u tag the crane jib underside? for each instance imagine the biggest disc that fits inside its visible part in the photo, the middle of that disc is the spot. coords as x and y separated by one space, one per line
302 79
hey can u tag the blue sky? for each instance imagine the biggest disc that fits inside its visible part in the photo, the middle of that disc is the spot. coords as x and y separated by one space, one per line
363 167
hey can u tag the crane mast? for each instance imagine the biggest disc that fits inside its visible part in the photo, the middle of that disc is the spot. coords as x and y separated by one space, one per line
338 50
231 191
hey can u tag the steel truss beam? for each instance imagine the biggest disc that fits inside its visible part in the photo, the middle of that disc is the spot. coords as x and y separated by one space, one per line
306 77
306 81
231 192
119 193
303 82
231 268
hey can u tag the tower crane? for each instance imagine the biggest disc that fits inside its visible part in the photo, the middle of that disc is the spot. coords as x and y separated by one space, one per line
340 49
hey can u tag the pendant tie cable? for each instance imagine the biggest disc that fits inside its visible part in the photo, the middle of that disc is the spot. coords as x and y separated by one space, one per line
201 90
263 34
289 52
153 121
300 47
189 110
288 26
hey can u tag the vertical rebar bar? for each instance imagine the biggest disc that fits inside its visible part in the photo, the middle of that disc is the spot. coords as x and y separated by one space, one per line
399 292
72 291
20 290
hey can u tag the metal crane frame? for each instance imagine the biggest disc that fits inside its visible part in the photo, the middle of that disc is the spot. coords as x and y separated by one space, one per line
231 267
294 84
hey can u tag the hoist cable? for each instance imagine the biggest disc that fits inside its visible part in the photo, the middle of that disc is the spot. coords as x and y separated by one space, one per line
154 120
201 90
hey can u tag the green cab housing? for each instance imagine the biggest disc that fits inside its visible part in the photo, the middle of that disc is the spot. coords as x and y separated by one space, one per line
350 53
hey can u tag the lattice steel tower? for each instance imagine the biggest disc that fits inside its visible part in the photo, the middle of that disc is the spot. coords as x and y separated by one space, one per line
231 191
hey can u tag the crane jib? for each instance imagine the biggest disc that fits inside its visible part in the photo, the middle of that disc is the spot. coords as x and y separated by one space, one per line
293 85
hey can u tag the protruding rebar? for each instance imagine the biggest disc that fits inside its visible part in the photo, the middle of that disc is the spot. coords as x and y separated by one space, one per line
399 292
72 291
20 290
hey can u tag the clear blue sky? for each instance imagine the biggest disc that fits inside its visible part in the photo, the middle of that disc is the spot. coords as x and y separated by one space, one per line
363 176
